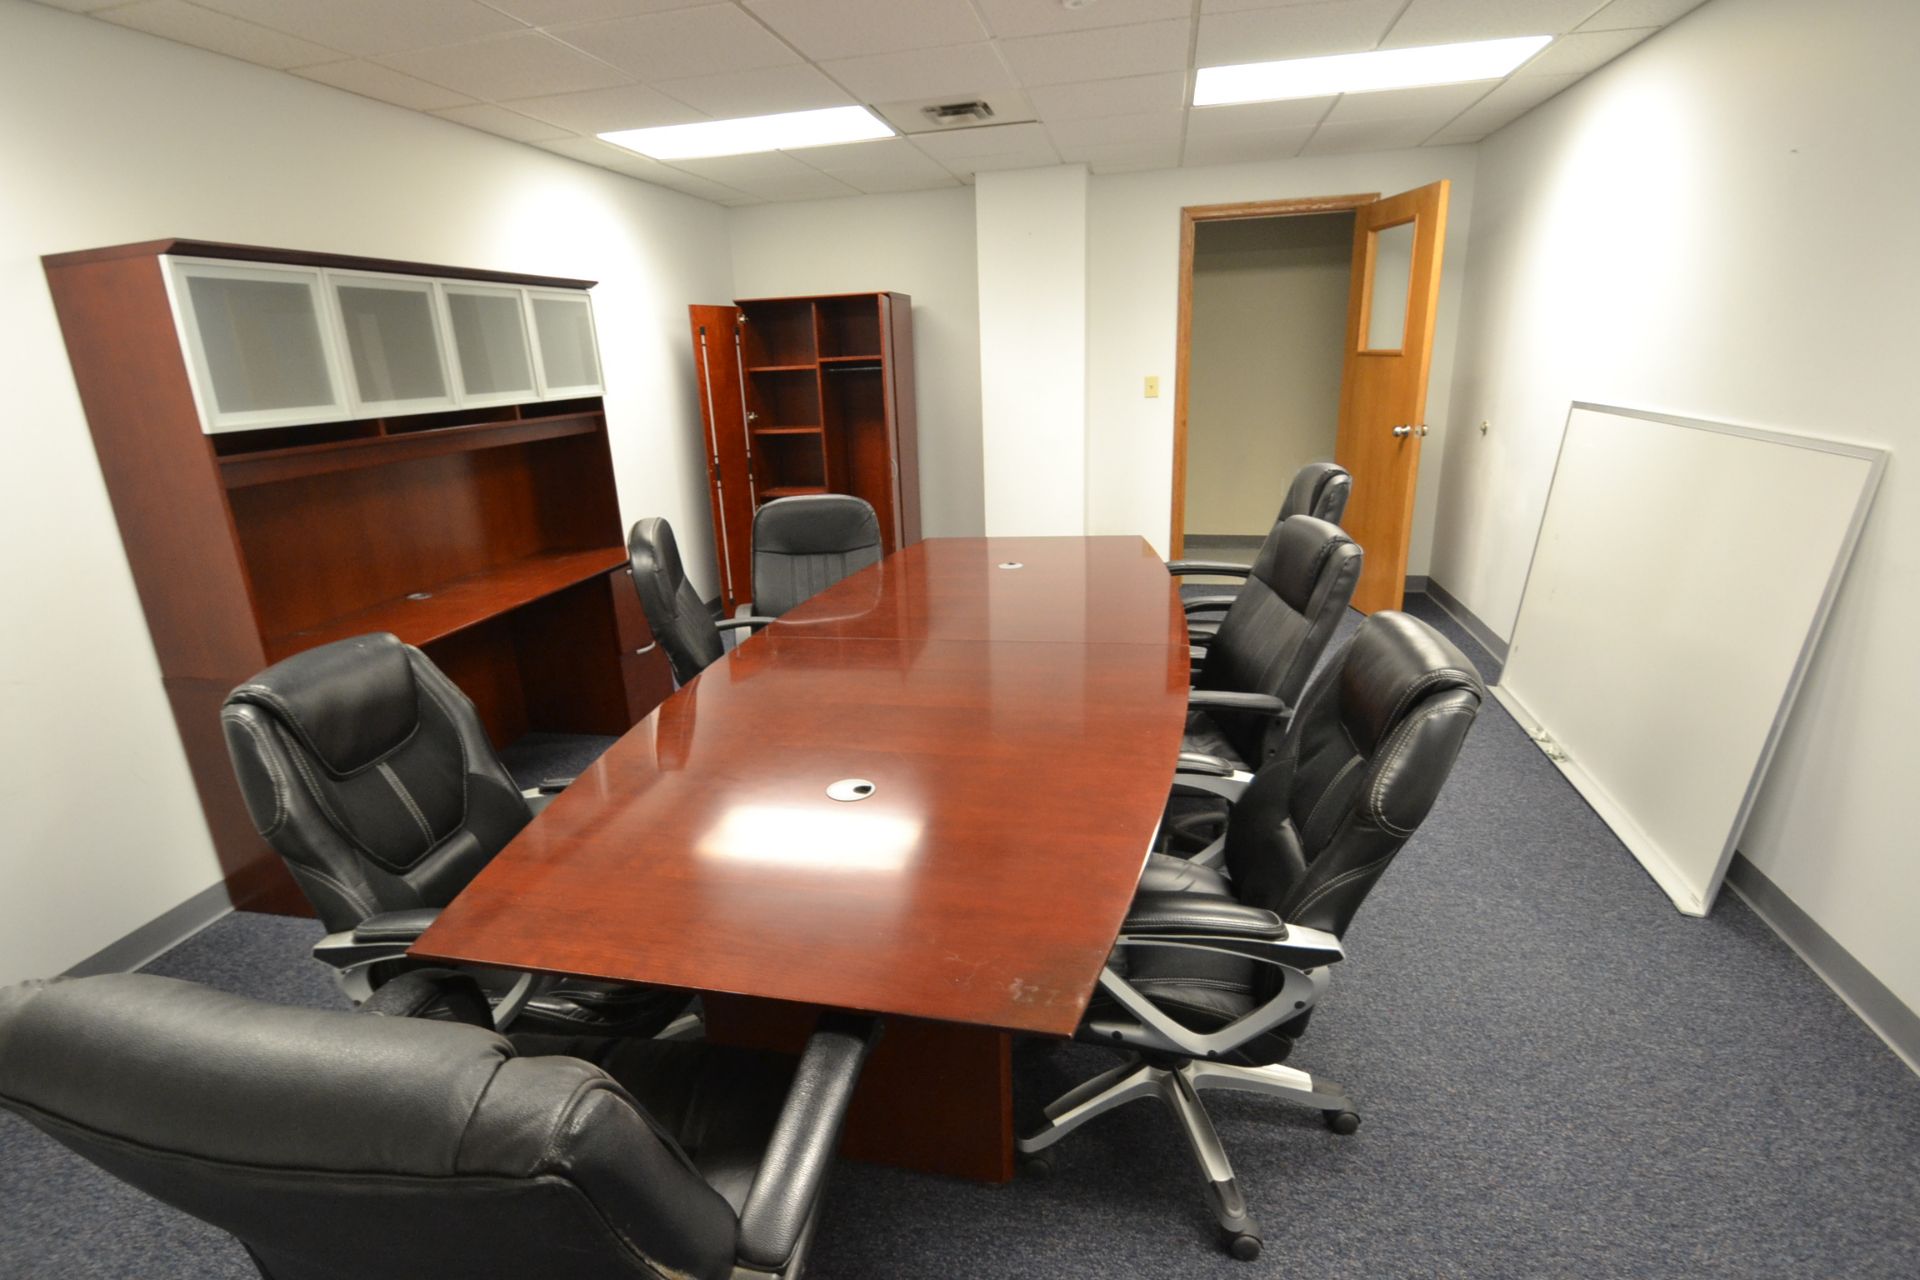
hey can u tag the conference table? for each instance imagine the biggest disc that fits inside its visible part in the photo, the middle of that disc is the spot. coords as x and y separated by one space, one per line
1003 716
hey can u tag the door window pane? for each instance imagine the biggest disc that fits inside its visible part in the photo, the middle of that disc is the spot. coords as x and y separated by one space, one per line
564 328
1392 276
489 333
261 340
391 338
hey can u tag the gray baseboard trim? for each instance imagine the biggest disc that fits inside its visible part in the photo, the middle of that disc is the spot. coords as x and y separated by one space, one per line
162 933
1466 617
1866 995
1416 584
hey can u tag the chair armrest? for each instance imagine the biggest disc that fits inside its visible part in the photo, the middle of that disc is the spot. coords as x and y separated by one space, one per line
786 1189
1200 604
395 926
437 995
1201 634
1231 700
1212 568
1200 916
1199 762
733 624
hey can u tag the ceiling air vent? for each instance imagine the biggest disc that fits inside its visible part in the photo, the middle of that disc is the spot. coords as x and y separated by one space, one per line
948 115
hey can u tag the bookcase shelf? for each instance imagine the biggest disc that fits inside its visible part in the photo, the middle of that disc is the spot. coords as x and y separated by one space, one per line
827 387
488 533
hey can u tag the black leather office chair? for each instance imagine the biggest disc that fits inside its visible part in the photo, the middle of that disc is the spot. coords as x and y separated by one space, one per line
679 619
339 1145
368 771
1319 489
1251 671
1222 960
805 544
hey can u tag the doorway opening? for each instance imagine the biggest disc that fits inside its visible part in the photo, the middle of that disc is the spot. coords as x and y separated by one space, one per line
1268 298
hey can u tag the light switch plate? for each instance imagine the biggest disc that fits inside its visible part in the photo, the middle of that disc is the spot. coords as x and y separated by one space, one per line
1153 388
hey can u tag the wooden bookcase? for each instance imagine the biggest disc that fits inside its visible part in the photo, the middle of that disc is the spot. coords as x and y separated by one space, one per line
488 535
806 395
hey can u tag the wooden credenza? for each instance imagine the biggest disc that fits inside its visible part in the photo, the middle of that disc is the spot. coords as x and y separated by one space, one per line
806 395
302 447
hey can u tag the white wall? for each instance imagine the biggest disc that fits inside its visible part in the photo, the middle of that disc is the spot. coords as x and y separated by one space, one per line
1269 332
1719 225
1031 226
109 136
1133 266
918 243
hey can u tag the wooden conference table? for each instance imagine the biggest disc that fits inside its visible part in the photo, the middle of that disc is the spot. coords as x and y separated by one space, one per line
1017 705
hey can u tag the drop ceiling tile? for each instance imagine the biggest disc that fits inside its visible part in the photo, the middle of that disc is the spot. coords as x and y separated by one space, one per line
1125 157
1152 126
525 65
958 71
82 6
1008 140
1257 117
368 27
1089 99
1507 103
1370 135
488 118
1101 53
1292 31
548 13
799 87
1583 51
595 152
853 28
371 80
681 43
1246 148
1445 21
1236 6
1443 101
205 29
771 175
1038 17
888 164
664 175
884 183
1622 14
627 106
967 169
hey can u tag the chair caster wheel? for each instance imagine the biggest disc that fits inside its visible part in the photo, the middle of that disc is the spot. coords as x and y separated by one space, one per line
1037 1165
1244 1247
1342 1122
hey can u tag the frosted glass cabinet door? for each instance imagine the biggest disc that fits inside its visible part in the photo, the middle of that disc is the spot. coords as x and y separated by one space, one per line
258 345
490 344
569 359
396 357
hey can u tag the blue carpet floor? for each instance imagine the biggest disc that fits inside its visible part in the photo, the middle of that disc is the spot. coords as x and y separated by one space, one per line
1560 1077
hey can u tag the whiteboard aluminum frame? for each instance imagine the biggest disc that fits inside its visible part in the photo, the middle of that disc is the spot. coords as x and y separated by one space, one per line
1644 848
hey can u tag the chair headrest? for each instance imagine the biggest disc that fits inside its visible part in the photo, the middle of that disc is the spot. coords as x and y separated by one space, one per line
815 524
349 703
1394 662
185 1069
1295 555
651 549
1318 489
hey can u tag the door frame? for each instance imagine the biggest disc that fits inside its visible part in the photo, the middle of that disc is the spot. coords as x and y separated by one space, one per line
1190 217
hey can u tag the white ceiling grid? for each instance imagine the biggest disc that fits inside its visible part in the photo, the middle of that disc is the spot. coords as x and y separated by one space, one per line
1106 83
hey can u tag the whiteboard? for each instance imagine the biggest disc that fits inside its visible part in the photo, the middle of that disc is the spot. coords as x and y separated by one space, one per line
1681 577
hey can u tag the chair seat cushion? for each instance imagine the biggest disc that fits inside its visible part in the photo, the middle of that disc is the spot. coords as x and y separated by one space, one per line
583 1008
1167 874
1204 735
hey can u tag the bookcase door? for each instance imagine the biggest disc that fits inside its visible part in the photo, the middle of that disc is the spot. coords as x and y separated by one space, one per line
492 357
259 343
395 345
566 356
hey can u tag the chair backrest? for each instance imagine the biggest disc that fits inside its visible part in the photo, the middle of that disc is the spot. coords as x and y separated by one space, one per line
1356 774
370 773
1319 489
803 545
344 1144
677 616
1280 622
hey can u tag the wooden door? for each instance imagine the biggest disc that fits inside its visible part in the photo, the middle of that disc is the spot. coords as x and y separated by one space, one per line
1383 388
716 367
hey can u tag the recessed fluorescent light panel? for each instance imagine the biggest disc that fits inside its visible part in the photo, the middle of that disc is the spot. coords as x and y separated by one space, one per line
789 131
1363 72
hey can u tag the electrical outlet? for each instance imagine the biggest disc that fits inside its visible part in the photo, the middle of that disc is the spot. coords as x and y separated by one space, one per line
1153 389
